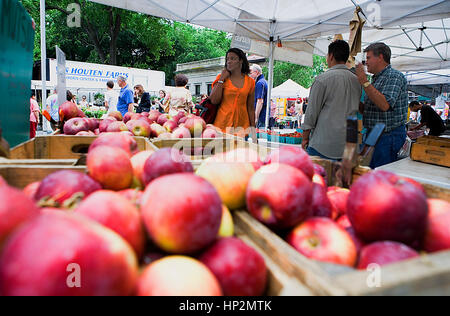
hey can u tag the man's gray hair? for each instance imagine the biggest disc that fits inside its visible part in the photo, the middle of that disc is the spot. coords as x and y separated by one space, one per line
257 68
122 78
380 49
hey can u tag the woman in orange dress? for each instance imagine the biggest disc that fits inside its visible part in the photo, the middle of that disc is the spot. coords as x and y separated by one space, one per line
234 92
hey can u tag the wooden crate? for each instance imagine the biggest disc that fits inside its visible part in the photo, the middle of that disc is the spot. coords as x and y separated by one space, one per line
427 275
63 147
20 175
433 150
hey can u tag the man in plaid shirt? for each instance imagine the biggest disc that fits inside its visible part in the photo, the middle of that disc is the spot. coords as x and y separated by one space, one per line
386 101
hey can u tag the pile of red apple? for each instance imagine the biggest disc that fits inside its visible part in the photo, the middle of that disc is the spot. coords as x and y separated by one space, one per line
383 219
138 223
152 125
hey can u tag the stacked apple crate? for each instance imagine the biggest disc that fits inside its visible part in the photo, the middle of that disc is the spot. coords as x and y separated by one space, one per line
290 273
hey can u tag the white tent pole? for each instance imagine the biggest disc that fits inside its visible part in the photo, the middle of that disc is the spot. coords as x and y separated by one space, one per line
269 92
43 55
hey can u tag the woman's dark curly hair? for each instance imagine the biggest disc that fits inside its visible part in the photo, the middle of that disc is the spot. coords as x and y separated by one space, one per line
181 80
242 56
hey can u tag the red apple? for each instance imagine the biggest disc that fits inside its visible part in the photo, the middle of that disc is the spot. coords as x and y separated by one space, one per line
226 224
111 167
81 113
293 156
166 161
132 195
63 188
75 125
321 205
97 132
118 214
339 198
382 206
195 125
2 181
138 162
163 118
280 196
170 126
154 115
139 128
15 209
127 117
318 169
318 179
67 111
145 119
210 133
240 269
116 127
182 213
181 132
243 155
229 178
31 189
117 115
322 239
60 254
93 124
157 130
119 140
85 134
437 236
383 253
178 276
103 126
183 120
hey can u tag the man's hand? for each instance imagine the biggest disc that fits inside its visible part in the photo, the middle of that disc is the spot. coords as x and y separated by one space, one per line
305 143
361 74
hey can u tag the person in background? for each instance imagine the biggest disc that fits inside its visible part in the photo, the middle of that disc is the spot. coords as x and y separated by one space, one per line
74 100
126 99
234 93
386 101
335 95
261 88
84 102
273 114
179 98
52 108
142 98
159 103
34 115
111 97
299 111
429 118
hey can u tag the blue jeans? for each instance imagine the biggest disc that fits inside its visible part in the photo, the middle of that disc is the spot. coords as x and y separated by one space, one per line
388 147
312 152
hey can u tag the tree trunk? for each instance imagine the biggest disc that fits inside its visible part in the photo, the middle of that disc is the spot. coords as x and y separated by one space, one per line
115 21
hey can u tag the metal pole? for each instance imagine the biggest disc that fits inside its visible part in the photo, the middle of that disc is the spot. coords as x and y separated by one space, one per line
43 55
269 92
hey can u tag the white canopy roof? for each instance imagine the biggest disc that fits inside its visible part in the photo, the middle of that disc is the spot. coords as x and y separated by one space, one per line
428 77
289 20
415 47
290 89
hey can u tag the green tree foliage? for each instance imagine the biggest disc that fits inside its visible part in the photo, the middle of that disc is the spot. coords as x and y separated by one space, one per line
300 74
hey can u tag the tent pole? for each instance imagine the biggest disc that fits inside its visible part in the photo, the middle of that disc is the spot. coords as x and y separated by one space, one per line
43 55
269 92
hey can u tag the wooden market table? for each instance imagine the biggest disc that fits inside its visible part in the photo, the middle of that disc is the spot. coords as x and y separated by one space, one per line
421 172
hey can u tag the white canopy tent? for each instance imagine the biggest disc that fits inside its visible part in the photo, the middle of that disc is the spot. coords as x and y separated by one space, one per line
290 89
428 77
296 23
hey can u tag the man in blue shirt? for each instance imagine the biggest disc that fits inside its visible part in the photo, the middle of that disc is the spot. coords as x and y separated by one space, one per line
261 88
386 101
126 97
